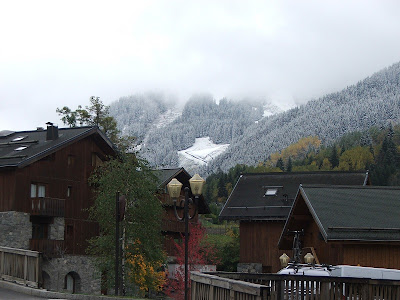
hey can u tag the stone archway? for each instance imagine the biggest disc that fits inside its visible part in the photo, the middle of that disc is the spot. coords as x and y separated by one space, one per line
72 282
46 280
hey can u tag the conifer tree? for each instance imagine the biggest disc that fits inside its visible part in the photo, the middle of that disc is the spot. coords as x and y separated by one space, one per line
289 165
334 158
280 164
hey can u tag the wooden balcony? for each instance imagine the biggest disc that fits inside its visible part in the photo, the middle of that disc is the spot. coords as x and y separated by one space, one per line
49 248
46 206
173 226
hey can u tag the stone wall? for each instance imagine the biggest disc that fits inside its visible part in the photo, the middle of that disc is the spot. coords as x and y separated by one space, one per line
16 229
57 229
81 267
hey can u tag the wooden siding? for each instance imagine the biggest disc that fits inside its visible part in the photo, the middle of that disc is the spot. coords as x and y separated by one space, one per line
67 168
328 253
7 190
55 172
366 254
259 244
77 234
372 255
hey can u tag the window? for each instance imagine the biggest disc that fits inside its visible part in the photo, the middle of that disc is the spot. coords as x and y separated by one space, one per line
20 148
96 160
40 231
69 191
271 192
38 190
19 138
33 190
71 160
69 231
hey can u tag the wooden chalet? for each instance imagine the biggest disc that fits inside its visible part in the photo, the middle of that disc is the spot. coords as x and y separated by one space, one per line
261 203
352 225
44 184
173 229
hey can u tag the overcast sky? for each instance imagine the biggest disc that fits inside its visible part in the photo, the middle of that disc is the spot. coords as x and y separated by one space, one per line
57 53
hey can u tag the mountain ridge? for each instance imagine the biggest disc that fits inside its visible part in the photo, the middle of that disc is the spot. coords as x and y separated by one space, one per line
252 134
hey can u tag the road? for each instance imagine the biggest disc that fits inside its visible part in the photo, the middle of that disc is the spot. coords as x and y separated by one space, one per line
6 294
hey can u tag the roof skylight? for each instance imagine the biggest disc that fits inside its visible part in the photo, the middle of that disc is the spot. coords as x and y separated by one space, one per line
271 192
20 148
19 138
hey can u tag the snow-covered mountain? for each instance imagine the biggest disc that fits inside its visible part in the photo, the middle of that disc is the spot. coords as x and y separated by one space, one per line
192 135
248 131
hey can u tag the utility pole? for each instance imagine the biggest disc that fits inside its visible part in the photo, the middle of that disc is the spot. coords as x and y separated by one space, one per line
117 217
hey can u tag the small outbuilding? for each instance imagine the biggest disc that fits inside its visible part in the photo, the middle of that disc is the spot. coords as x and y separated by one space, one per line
352 225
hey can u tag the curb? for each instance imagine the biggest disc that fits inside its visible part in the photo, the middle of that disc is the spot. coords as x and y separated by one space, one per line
55 295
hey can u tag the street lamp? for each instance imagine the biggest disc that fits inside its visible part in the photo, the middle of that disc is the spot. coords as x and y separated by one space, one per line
174 190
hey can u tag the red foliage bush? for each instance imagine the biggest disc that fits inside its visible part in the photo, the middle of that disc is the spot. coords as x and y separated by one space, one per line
200 252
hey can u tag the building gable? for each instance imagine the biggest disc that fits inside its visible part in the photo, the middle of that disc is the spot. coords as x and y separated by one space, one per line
346 213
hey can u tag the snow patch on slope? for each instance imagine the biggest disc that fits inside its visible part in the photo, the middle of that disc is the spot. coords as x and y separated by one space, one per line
201 153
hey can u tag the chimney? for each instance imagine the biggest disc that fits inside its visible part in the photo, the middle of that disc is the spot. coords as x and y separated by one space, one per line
52 131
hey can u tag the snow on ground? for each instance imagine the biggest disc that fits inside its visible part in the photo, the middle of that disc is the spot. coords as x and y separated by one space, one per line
271 109
202 152
168 117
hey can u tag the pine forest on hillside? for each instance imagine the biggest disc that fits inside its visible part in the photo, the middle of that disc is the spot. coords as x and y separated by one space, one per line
376 150
162 128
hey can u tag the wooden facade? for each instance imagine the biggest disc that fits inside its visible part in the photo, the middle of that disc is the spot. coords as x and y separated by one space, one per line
258 243
347 225
50 180
261 203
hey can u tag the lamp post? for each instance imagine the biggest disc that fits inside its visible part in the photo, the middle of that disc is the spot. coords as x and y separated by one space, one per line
174 190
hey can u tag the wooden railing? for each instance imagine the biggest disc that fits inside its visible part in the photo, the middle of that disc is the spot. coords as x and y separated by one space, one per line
206 286
49 248
48 207
22 266
277 287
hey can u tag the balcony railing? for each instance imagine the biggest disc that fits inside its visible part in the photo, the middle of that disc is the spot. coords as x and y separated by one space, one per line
49 248
173 226
257 286
46 206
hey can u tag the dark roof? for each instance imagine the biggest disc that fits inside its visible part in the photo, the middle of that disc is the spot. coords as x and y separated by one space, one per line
164 176
360 213
249 202
21 148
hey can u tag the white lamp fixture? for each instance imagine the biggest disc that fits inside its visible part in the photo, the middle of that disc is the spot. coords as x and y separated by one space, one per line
308 258
174 188
284 260
196 185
